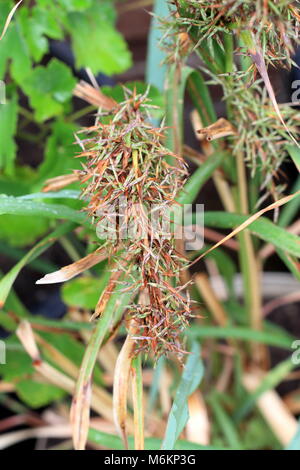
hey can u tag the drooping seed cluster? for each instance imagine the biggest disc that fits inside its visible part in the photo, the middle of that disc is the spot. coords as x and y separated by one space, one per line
130 189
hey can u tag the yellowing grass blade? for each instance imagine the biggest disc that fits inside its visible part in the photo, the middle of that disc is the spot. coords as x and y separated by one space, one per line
9 18
72 270
121 382
248 222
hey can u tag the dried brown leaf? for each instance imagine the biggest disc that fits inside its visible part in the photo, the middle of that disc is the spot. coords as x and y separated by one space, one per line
72 270
94 96
220 128
121 381
59 182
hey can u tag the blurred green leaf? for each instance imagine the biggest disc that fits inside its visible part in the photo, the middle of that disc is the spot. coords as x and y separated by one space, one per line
8 127
59 152
22 207
179 414
48 88
227 426
75 5
270 380
13 47
36 394
20 231
194 184
262 227
294 152
258 435
272 339
84 292
96 43
289 210
7 281
200 95
18 362
151 443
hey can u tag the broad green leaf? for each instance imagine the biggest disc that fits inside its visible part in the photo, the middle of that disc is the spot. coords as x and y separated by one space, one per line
75 5
36 394
46 18
35 35
7 281
262 227
199 93
8 127
96 43
22 207
59 152
179 414
84 292
14 304
294 152
63 194
271 380
227 426
194 184
290 261
61 324
151 443
289 211
48 88
258 435
242 333
18 363
13 46
7 322
20 231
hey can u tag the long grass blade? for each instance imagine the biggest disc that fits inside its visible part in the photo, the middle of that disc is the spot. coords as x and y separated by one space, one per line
179 414
9 18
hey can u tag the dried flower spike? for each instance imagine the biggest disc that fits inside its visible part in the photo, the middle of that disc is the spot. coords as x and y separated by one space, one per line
130 189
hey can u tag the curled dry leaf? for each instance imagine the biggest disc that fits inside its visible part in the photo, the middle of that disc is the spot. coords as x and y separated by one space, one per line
93 96
59 182
220 128
26 336
72 270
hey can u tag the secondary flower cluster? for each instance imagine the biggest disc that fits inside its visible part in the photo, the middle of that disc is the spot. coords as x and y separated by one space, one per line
273 23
